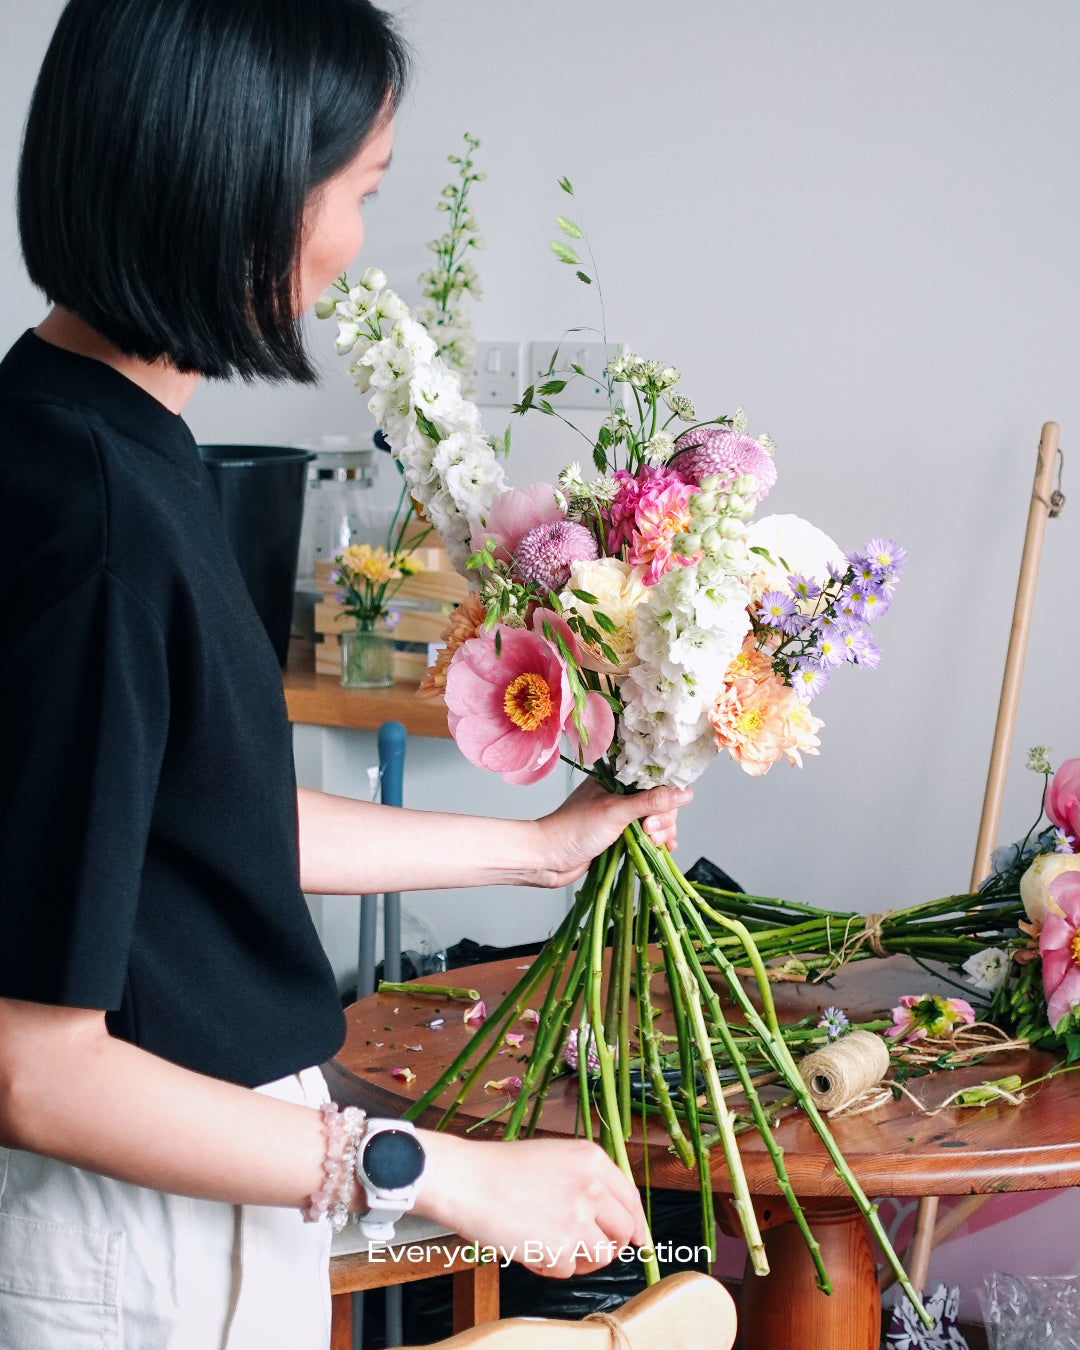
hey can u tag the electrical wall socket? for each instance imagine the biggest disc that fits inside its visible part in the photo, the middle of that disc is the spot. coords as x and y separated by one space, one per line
498 374
582 391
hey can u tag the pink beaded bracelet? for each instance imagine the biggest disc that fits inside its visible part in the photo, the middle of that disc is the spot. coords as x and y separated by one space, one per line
344 1131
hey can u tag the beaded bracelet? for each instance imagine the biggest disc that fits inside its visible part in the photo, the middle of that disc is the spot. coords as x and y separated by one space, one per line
344 1131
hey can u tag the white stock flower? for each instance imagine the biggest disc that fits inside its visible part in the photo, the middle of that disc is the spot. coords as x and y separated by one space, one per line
664 733
987 969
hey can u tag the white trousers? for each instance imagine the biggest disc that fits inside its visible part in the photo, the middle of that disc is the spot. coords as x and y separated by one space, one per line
87 1263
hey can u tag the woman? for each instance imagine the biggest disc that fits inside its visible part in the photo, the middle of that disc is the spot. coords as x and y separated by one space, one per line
192 178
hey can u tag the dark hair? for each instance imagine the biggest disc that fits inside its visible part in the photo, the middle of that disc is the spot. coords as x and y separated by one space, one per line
169 150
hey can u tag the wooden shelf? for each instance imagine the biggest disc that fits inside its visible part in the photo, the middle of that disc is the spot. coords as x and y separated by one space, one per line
319 700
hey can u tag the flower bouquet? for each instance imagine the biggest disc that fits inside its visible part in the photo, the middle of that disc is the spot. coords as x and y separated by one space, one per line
635 624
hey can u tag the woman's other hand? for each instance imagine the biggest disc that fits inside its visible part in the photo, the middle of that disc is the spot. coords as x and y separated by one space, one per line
558 1206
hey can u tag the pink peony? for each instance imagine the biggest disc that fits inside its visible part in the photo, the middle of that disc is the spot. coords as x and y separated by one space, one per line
647 512
508 711
1059 945
545 555
512 515
1063 798
727 454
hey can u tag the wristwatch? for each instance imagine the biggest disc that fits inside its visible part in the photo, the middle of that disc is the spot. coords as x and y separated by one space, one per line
390 1166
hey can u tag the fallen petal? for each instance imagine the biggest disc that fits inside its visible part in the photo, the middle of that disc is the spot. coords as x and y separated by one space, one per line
475 1015
402 1075
514 1038
530 1015
511 1085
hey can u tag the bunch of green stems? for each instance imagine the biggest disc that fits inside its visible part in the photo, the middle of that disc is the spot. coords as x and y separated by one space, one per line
631 891
948 930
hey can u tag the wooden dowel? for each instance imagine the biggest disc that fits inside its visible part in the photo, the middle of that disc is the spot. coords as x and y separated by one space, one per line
924 1237
1014 661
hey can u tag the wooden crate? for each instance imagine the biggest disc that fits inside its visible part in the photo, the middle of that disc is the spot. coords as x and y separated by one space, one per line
424 602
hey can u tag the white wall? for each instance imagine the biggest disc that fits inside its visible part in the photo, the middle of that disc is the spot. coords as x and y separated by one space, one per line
859 222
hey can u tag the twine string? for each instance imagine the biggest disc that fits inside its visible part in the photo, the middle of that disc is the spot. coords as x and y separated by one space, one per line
618 1331
843 1071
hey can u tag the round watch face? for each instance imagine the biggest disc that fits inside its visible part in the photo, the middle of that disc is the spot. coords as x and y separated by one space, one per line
392 1159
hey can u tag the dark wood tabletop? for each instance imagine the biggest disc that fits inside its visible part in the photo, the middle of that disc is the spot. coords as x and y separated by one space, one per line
893 1149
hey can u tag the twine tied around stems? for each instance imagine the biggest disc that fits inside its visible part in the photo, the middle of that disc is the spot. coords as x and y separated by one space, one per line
618 1331
840 1073
869 935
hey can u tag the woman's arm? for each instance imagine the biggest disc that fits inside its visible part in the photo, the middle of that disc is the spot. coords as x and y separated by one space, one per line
71 1091
350 847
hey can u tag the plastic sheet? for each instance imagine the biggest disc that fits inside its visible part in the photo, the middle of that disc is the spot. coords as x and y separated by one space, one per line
906 1331
1031 1310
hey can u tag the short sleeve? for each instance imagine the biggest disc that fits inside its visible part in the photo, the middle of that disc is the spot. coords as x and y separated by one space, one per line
84 690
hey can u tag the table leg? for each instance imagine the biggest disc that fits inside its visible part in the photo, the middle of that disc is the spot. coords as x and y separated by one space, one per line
785 1309
476 1296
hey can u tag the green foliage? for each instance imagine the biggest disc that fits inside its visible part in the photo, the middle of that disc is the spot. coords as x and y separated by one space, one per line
569 228
564 253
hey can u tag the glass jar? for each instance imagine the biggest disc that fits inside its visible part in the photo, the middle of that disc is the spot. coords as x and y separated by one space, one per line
367 656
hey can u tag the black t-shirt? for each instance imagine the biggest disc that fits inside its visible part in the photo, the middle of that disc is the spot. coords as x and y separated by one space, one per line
148 834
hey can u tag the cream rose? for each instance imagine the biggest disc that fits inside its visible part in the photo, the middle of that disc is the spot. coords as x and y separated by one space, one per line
1035 883
619 590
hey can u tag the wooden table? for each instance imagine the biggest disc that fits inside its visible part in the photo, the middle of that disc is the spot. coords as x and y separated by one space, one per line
321 701
893 1150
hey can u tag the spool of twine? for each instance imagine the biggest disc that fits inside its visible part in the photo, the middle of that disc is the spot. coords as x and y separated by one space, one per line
839 1073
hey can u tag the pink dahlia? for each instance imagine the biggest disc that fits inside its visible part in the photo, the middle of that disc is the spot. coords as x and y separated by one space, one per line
1059 946
507 710
727 454
545 555
1063 798
649 509
513 514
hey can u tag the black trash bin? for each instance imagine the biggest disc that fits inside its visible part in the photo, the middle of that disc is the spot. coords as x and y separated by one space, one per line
261 492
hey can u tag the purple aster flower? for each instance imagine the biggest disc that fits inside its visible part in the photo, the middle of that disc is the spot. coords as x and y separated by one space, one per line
837 572
808 680
728 454
834 1021
861 649
886 556
830 650
393 618
866 572
546 553
776 611
1063 843
852 601
803 588
876 600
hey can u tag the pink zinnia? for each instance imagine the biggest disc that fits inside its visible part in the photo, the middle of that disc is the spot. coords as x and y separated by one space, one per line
513 514
1059 946
648 511
547 552
727 454
920 1015
508 710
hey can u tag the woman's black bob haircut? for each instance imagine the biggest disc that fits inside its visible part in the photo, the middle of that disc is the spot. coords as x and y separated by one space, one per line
169 149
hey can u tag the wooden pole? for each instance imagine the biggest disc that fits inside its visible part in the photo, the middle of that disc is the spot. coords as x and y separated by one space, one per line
925 1234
